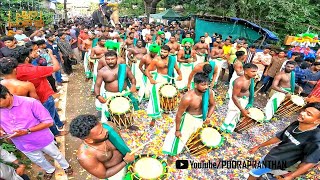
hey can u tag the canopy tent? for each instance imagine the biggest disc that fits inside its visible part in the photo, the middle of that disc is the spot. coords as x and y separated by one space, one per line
168 14
234 27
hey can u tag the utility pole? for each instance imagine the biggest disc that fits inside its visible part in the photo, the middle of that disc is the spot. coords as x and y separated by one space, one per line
65 11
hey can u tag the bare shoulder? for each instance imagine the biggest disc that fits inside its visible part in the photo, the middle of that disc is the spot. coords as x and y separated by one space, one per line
188 96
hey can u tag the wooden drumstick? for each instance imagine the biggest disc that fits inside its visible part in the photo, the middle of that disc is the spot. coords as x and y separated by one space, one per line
140 147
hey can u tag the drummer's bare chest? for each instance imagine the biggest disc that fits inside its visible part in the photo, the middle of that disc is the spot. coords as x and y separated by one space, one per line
285 79
162 64
110 75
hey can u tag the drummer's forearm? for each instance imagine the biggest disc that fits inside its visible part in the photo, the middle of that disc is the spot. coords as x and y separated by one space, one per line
210 111
237 103
115 169
269 142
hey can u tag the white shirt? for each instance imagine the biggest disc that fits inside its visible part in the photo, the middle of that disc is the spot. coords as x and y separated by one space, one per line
20 37
167 35
261 57
144 33
208 40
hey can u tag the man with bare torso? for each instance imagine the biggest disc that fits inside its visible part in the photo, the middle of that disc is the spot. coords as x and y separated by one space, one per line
113 85
174 46
239 99
186 58
165 72
238 70
283 84
88 62
189 116
202 50
8 68
97 54
103 153
143 65
217 55
211 72
129 43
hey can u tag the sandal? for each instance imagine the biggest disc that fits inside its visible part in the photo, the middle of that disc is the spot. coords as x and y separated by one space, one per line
69 171
48 176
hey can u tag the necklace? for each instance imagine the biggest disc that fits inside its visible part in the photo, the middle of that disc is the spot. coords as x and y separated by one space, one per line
114 74
104 152
302 131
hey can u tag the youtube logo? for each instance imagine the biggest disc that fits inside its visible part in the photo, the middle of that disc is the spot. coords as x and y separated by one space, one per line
182 164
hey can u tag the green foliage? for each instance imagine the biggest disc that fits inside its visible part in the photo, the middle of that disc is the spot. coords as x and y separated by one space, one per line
131 8
25 5
11 148
281 16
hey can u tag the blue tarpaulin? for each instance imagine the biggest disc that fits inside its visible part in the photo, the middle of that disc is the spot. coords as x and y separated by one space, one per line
270 35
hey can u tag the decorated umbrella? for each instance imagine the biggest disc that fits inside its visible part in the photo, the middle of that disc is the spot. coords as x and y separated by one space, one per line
306 40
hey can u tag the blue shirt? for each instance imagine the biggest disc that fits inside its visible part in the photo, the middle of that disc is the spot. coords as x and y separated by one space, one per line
55 50
300 74
310 76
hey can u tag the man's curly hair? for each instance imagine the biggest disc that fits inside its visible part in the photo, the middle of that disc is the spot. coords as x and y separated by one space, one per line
7 65
81 126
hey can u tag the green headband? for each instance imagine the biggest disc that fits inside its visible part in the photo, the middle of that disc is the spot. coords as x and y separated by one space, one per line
154 48
160 32
187 40
110 45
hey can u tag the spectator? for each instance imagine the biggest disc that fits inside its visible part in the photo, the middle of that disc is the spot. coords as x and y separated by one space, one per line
66 51
262 60
38 76
20 36
8 68
51 44
251 53
272 70
28 122
10 46
312 77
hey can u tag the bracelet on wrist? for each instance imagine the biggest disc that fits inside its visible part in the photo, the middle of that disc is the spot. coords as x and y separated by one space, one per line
97 96
125 161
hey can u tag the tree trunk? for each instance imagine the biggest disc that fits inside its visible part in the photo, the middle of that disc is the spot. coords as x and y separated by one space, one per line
150 7
65 11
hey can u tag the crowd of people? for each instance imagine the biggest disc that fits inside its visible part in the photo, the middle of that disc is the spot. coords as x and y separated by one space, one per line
135 62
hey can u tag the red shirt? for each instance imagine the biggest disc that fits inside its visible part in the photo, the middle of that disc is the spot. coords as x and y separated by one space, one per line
38 76
316 90
83 36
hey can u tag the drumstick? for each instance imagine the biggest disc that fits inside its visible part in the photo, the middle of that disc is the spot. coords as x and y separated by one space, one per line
140 147
258 90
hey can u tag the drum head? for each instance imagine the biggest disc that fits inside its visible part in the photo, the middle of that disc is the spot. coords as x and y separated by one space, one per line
148 168
210 137
298 100
168 90
119 105
256 114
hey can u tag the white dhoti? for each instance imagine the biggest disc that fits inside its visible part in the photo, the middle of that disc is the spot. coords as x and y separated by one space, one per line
137 73
274 103
144 90
233 115
234 77
104 108
186 69
95 74
189 124
220 63
86 64
153 109
200 59
120 175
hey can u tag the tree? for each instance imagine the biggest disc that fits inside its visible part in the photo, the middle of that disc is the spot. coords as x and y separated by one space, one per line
65 11
150 7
